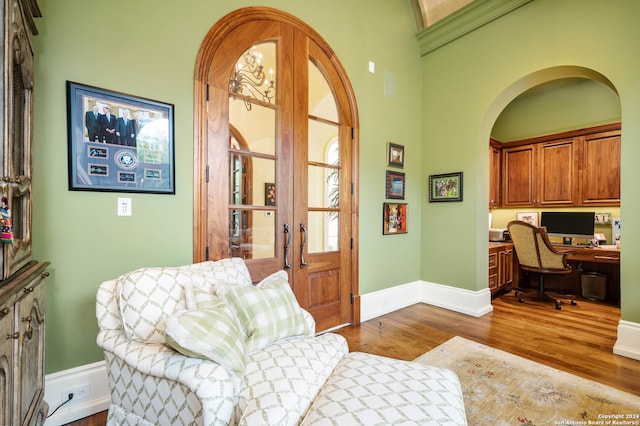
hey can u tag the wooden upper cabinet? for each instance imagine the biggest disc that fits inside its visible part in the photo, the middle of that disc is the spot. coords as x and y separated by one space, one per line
557 173
577 168
518 176
601 169
495 167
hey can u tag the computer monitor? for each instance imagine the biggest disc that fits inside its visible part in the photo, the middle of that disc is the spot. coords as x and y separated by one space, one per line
569 225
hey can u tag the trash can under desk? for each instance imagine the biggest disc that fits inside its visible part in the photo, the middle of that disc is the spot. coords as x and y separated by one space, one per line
594 285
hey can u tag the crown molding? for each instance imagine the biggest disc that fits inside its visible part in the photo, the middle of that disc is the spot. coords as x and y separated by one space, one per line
463 21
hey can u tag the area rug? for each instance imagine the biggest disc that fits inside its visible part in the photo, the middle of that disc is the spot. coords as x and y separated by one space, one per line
504 389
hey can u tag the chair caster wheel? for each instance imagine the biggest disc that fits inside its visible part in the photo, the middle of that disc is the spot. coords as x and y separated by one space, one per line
558 307
521 300
573 303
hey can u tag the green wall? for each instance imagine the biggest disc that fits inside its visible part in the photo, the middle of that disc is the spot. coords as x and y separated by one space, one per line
148 48
468 83
557 106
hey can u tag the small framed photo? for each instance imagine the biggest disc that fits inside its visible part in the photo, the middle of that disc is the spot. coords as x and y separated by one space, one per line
269 194
445 187
395 185
394 218
118 142
530 217
395 155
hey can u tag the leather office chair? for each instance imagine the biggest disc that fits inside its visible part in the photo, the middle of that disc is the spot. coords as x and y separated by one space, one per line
536 254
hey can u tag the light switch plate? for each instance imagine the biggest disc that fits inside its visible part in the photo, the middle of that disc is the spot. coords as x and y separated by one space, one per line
124 206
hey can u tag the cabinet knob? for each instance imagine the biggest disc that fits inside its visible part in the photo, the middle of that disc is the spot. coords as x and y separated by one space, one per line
27 289
4 312
45 274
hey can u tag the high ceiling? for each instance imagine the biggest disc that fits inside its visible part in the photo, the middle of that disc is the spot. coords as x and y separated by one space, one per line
428 12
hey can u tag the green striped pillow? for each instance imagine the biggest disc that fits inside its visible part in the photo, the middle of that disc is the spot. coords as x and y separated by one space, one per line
268 312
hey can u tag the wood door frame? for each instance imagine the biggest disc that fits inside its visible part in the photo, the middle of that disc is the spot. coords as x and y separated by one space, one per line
204 61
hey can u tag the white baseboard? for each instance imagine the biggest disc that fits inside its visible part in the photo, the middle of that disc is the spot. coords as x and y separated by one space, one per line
475 303
628 342
58 384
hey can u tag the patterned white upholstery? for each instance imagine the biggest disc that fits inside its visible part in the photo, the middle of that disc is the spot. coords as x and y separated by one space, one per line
152 384
283 379
147 296
371 390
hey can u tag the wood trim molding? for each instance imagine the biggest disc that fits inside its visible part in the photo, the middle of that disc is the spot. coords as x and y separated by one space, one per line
610 127
464 21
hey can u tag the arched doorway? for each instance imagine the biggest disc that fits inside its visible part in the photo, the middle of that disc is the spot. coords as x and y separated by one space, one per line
279 86
557 79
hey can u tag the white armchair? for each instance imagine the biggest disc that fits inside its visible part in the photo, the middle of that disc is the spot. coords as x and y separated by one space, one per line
153 384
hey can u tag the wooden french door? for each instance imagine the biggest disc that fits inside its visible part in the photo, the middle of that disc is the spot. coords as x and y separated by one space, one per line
276 172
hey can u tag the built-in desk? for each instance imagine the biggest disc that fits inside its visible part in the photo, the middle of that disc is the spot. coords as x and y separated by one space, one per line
603 260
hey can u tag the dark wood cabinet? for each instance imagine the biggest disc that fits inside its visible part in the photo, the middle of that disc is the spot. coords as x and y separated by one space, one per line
600 169
501 267
519 176
556 176
570 169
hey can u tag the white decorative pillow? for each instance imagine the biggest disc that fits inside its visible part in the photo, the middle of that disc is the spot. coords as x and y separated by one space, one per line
268 312
147 296
211 333
231 270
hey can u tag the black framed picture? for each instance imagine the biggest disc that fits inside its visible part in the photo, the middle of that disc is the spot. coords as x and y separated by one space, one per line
445 187
119 142
395 185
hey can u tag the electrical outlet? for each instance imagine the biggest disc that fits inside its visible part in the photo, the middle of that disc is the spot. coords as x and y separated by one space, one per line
80 393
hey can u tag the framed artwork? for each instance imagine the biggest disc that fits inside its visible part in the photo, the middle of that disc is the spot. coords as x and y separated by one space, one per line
269 194
395 185
530 217
603 219
394 218
119 142
395 155
445 187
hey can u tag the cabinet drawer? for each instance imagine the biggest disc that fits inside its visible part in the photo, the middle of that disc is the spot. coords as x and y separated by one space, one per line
493 260
493 281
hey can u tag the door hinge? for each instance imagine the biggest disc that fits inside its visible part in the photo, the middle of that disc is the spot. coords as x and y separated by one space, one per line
351 243
351 297
206 253
353 134
206 174
353 188
207 92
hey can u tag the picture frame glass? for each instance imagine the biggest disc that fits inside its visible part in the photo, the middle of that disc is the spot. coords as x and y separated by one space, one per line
119 142
394 218
446 187
395 185
395 155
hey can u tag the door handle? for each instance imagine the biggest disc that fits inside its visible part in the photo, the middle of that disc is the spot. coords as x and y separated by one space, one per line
304 245
287 232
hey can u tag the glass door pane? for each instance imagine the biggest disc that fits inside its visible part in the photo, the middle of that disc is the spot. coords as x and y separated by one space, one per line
252 154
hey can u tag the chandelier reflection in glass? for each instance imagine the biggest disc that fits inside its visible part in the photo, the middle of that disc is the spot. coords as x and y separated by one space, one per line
249 79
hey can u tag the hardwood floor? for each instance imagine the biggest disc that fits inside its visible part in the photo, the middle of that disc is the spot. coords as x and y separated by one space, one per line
577 339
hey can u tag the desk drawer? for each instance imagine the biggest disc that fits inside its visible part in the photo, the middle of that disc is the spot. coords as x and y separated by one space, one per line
597 256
